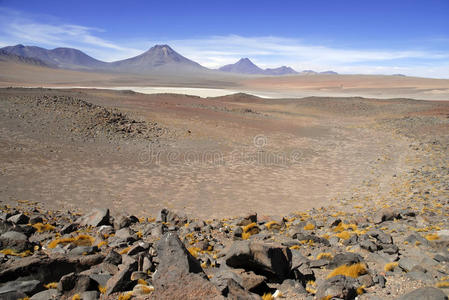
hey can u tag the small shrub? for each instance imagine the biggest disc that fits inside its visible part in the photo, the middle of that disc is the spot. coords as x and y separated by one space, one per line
51 285
353 271
250 230
309 226
80 240
267 296
43 227
432 237
325 255
390 266
442 284
194 251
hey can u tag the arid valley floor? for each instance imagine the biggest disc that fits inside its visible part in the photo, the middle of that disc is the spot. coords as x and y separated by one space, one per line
334 181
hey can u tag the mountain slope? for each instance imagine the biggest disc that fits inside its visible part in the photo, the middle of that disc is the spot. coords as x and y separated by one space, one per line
67 58
9 57
246 66
160 58
280 71
243 66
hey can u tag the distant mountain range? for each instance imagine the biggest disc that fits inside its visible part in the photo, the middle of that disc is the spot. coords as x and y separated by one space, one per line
160 58
246 66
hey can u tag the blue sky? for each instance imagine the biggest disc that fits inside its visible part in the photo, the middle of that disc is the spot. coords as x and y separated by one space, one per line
372 37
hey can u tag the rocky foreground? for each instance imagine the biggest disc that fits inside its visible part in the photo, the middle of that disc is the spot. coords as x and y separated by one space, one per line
316 255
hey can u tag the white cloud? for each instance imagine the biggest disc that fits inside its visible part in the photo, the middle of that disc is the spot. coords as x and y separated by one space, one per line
19 28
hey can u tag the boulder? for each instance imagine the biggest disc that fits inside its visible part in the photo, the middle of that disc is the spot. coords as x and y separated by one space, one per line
120 282
95 218
28 287
425 293
339 286
16 241
270 260
179 275
19 219
47 295
346 258
72 283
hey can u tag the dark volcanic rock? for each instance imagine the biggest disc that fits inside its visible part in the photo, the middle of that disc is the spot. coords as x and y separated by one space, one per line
340 287
272 261
96 218
179 275
425 293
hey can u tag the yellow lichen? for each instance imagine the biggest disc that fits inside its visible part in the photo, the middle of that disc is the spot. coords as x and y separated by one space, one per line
139 234
80 240
295 247
390 266
342 227
351 271
51 285
141 281
325 255
309 226
43 227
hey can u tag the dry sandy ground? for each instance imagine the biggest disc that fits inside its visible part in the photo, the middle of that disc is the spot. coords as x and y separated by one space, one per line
217 157
297 86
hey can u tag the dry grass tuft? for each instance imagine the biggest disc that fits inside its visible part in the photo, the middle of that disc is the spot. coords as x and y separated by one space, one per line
125 250
309 226
390 266
43 227
360 290
325 255
102 289
432 237
353 271
442 284
250 230
194 251
268 296
344 235
126 296
80 240
14 253
51 285
273 225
